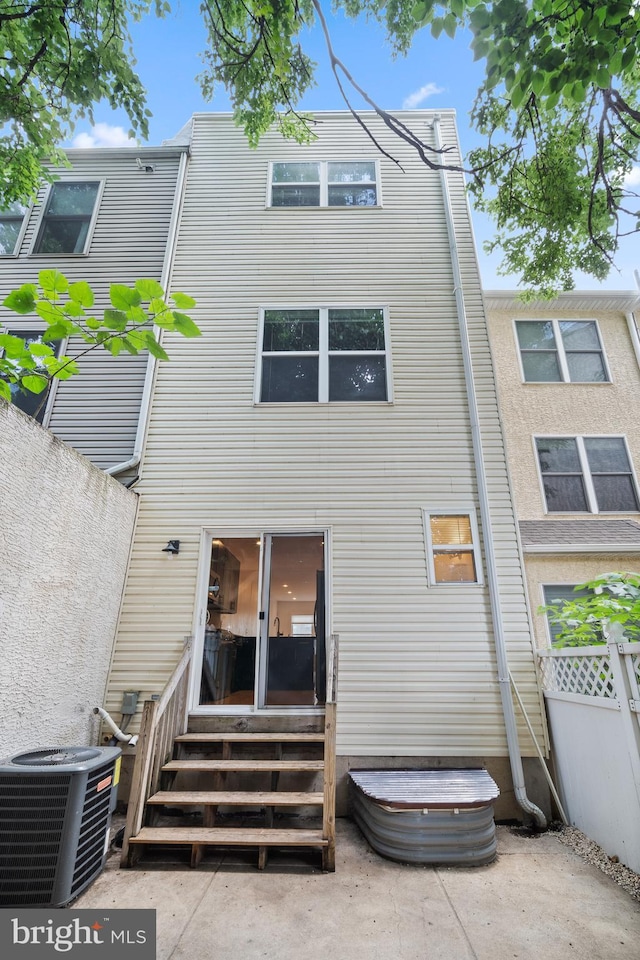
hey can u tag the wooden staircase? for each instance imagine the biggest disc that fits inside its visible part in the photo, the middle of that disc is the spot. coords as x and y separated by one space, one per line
255 788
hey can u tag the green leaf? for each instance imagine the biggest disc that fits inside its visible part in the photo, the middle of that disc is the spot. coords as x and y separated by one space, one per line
186 326
450 24
183 301
52 281
82 293
155 349
149 289
122 298
165 319
34 383
13 347
5 391
40 349
603 78
22 300
114 346
115 320
93 323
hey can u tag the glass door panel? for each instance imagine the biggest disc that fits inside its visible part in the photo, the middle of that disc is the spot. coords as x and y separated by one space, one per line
229 655
293 624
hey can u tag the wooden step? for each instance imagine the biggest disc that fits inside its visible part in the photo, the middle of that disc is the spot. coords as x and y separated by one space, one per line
231 836
283 798
245 766
250 738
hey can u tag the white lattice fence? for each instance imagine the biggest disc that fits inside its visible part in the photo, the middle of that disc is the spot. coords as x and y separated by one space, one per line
586 671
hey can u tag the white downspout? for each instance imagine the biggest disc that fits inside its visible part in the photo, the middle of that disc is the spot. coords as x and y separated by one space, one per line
504 684
633 333
165 281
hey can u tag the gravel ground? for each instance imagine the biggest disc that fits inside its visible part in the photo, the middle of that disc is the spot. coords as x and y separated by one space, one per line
592 853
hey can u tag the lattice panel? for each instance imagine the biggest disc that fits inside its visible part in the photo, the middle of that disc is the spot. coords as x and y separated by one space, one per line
591 676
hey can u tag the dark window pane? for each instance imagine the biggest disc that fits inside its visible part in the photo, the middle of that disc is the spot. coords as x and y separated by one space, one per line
615 493
356 330
541 366
300 196
296 172
607 455
32 404
586 368
352 196
289 379
72 199
63 236
352 172
357 378
535 335
554 595
579 335
565 494
558 455
290 330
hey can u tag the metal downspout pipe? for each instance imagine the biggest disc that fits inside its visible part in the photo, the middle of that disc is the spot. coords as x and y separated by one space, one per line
504 684
165 280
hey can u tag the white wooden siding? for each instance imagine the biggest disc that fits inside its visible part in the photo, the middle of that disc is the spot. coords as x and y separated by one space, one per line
417 663
97 411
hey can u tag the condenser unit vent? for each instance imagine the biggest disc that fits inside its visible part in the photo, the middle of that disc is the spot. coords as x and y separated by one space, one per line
55 811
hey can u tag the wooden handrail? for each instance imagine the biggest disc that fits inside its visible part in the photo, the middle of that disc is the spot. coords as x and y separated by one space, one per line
162 721
329 806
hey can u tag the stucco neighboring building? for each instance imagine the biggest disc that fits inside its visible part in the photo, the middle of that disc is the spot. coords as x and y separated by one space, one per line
568 378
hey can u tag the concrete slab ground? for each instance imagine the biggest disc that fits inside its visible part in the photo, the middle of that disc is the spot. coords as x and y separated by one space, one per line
538 901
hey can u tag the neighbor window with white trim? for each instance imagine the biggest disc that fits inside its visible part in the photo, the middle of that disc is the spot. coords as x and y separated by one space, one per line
324 184
34 404
587 475
323 355
555 595
68 216
561 351
12 225
452 547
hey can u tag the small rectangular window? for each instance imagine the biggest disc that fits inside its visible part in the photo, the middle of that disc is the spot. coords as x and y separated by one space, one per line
67 217
561 351
555 595
323 355
11 228
452 547
587 475
33 404
324 184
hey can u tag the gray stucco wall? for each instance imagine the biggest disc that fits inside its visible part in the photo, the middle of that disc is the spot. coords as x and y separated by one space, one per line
65 534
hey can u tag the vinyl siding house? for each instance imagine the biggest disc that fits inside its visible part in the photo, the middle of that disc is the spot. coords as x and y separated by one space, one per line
108 218
568 376
330 460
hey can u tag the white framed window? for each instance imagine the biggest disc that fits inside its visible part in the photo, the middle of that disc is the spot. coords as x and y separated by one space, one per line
587 475
13 222
33 404
68 217
320 183
453 554
554 594
561 351
323 354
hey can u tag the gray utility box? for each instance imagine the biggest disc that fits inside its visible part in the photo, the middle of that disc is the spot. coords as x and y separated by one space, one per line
55 812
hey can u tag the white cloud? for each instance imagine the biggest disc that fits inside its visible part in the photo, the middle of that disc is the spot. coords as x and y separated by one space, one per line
419 96
104 135
632 179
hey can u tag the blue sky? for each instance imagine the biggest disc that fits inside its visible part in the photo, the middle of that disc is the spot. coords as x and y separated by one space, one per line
436 73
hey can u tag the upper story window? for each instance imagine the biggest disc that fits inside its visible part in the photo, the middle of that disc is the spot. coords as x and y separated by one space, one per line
12 222
452 547
587 475
561 351
324 354
68 217
33 404
556 595
324 184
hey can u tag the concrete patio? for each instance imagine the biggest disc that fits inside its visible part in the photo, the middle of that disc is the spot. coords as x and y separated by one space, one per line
538 900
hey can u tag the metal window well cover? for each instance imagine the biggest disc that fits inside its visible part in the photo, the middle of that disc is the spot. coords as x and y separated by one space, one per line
427 816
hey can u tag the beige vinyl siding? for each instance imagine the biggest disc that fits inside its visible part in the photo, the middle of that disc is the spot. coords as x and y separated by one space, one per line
417 663
97 411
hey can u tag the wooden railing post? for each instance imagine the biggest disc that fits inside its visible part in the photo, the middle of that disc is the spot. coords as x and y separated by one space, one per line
138 792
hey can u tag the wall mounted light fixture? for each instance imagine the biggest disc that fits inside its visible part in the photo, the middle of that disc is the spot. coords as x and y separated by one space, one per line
172 547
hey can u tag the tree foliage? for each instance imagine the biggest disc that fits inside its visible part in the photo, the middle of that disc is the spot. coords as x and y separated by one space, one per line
614 598
67 310
558 110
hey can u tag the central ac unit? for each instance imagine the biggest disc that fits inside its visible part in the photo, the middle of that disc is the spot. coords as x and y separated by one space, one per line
55 812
